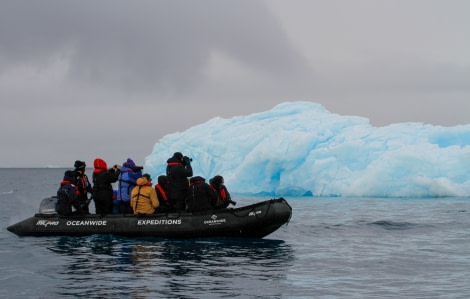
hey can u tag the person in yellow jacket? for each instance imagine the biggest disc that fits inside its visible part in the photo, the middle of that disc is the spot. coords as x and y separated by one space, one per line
144 198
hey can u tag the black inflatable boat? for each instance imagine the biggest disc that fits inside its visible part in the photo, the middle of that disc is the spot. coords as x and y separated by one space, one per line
252 221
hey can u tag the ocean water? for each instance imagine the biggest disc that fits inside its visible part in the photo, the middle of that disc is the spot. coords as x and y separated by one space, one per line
332 248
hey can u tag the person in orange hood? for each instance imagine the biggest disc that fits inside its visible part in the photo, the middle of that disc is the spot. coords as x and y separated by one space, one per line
102 188
144 198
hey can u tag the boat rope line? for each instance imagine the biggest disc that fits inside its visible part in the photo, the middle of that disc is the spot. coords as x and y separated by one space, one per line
259 217
253 211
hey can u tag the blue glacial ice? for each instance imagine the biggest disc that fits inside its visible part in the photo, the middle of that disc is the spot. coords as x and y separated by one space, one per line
301 149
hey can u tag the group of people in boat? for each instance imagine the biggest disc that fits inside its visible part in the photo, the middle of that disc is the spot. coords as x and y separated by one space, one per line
176 191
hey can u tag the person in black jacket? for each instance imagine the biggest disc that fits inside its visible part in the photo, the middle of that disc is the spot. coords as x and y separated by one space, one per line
201 196
68 196
81 182
102 188
178 170
161 188
224 199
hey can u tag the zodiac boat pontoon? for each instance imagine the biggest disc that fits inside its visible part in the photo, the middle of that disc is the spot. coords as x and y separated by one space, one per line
253 221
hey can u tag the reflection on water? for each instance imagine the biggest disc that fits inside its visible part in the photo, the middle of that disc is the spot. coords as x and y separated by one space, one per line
171 268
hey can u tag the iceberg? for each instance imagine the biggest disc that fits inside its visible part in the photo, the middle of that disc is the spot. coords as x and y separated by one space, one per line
302 149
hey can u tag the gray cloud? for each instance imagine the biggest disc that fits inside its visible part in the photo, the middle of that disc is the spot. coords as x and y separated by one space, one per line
81 79
159 46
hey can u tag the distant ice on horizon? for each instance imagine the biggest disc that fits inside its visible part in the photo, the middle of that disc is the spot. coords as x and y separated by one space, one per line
301 149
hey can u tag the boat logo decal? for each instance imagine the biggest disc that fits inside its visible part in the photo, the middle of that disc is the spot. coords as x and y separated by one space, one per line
214 220
46 223
254 213
159 222
87 222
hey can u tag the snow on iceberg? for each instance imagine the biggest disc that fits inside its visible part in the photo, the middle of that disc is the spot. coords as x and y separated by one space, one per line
300 148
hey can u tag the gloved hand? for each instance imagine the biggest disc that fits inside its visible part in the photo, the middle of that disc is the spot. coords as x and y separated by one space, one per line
187 160
232 202
138 168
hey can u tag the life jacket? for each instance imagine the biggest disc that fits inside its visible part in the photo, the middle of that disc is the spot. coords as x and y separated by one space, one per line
196 180
221 192
65 182
223 195
81 184
162 192
171 164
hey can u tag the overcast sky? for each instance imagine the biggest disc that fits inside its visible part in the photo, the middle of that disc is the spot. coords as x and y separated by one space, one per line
86 79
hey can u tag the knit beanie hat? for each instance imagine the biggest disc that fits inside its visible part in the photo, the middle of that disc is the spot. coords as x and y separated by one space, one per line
68 176
79 165
178 155
130 163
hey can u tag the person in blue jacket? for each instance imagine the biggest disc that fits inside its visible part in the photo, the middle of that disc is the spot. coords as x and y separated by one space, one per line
127 181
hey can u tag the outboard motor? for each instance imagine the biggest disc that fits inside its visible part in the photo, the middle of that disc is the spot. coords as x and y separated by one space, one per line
48 205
